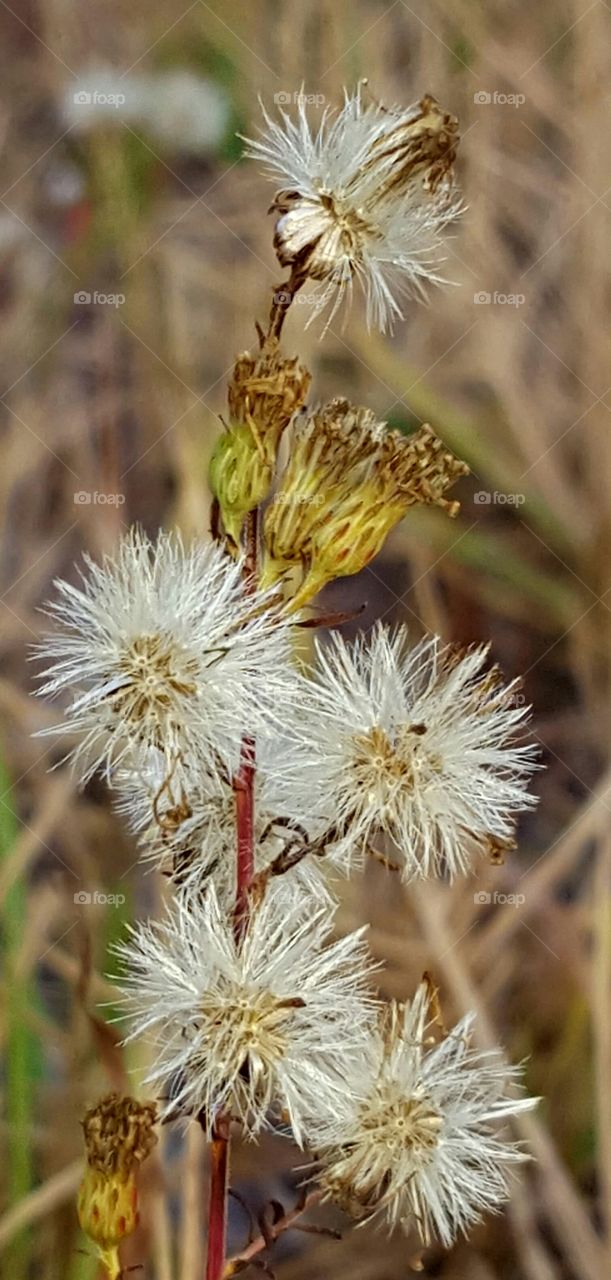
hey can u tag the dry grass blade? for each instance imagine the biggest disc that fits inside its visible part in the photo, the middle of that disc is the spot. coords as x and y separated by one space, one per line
52 1194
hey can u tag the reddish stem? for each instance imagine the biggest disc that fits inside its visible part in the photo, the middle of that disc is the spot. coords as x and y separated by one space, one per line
244 781
244 788
217 1210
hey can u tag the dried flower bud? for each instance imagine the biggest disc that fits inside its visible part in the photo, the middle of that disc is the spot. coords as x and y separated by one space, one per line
266 390
348 482
264 393
119 1135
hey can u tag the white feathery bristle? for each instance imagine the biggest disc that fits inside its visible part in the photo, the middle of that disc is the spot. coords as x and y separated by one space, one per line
419 745
264 1026
419 1139
353 204
162 648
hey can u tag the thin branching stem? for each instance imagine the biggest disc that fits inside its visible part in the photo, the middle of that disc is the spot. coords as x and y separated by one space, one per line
282 298
244 789
256 1246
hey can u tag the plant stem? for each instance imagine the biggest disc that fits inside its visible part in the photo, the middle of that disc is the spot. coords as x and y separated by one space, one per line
217 1211
244 781
251 535
241 1260
282 298
244 791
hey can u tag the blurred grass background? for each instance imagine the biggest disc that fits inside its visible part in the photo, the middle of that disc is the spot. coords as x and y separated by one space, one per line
147 200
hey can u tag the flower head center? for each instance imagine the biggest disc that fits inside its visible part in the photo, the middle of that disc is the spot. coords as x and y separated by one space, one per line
156 673
392 764
327 226
403 1124
249 1026
348 222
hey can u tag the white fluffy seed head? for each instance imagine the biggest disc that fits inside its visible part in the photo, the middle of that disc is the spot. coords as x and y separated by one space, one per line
365 196
185 822
418 1140
186 827
264 1028
419 745
161 648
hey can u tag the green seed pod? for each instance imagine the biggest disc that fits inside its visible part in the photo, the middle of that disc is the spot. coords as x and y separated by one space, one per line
240 476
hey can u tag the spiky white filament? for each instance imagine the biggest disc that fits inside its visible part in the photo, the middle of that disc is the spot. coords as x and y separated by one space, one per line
393 246
418 744
268 1023
419 1139
161 648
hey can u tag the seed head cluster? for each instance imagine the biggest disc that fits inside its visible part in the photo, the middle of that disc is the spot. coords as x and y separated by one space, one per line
252 766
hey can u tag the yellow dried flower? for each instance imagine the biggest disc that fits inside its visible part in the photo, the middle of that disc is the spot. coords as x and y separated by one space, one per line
348 482
119 1135
265 391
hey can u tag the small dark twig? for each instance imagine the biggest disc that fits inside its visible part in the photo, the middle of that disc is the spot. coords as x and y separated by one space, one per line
318 1231
252 1220
332 619
271 1214
282 298
380 857
289 824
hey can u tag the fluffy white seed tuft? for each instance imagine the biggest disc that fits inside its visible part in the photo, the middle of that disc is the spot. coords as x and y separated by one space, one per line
419 745
418 1141
162 649
365 196
264 1027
